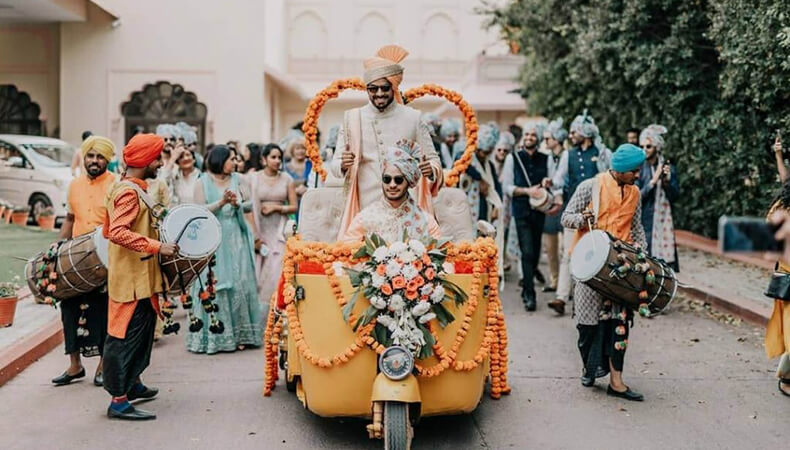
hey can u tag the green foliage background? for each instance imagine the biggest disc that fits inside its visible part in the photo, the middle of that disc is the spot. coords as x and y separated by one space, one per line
716 73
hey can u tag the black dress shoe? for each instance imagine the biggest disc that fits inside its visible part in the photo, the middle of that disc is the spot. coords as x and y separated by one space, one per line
529 303
539 277
628 394
149 392
65 378
130 413
98 380
587 381
781 382
548 288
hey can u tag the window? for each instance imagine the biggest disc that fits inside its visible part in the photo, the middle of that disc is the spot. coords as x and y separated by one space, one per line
18 114
163 102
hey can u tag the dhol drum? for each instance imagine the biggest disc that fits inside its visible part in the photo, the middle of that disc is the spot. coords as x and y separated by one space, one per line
623 273
79 264
198 234
543 203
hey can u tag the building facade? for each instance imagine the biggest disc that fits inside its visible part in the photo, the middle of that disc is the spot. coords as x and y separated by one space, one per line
241 69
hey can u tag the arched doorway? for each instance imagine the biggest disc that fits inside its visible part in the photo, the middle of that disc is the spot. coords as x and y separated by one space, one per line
163 102
18 113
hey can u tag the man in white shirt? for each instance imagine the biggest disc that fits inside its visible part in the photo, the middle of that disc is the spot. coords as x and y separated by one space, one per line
366 133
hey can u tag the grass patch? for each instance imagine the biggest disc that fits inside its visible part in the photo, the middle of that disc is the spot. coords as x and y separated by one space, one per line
23 242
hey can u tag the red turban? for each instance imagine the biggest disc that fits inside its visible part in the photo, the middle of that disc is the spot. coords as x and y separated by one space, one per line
142 150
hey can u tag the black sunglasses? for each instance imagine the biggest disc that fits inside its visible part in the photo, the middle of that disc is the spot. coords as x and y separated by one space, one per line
372 88
648 147
387 179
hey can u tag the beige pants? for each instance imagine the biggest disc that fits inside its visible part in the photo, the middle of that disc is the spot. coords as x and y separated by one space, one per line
564 282
553 245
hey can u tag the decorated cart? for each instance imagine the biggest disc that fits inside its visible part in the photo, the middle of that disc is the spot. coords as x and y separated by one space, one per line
390 331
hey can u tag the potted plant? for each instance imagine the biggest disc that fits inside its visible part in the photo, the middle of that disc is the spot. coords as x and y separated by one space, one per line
8 301
19 215
46 218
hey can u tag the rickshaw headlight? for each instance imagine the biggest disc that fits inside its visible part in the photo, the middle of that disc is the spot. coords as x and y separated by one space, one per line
396 362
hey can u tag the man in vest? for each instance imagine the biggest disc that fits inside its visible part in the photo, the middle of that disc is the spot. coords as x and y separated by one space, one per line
603 325
524 172
85 318
134 279
368 131
586 159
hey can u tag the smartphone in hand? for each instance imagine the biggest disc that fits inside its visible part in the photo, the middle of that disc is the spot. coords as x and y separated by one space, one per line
748 234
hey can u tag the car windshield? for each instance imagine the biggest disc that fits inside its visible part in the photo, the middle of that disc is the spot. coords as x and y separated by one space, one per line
50 155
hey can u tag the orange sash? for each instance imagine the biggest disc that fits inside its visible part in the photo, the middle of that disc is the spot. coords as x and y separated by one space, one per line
616 210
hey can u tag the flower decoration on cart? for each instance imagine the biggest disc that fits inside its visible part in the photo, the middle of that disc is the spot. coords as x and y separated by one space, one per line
405 285
477 257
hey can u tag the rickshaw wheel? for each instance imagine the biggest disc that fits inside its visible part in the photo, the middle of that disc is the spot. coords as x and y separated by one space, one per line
397 428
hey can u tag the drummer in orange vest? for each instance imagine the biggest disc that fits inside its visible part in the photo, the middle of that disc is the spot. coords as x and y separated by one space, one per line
603 325
85 318
134 279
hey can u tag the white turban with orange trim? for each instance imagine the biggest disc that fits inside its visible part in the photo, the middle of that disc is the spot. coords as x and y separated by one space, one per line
386 65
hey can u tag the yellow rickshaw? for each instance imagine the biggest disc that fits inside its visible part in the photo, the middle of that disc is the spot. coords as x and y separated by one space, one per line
336 363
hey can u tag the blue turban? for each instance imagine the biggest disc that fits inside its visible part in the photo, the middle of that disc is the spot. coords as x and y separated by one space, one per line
628 157
488 136
557 132
585 126
331 138
405 155
506 141
450 126
655 133
166 130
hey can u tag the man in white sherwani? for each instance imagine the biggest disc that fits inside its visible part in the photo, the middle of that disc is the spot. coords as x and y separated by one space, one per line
366 133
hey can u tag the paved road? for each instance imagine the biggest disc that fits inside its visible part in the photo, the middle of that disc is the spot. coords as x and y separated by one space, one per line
707 385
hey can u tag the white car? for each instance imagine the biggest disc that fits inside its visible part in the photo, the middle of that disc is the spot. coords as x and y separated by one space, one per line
35 171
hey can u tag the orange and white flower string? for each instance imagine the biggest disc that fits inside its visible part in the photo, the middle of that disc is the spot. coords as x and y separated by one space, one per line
494 343
317 103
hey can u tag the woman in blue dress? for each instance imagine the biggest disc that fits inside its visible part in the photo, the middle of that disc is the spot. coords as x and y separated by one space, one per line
223 191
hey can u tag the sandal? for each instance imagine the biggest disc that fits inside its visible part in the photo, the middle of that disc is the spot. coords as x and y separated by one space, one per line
779 385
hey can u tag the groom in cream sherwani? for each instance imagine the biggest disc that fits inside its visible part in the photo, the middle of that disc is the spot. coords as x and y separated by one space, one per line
368 131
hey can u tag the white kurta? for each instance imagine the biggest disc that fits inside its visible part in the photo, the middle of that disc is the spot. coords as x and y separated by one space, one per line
381 129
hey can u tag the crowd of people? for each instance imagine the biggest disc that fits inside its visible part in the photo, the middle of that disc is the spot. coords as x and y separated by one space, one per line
535 184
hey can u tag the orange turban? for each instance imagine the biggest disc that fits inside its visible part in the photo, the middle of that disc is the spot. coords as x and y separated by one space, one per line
142 150
385 65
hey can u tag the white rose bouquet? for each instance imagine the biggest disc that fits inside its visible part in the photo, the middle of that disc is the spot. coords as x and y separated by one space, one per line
406 286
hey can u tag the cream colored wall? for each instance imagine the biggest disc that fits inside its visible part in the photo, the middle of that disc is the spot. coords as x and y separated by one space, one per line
217 53
29 59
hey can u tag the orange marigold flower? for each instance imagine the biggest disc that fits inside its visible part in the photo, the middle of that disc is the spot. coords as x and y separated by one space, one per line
411 294
381 269
386 289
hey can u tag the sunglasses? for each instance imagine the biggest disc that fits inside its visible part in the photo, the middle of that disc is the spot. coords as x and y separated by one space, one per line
387 179
648 147
372 89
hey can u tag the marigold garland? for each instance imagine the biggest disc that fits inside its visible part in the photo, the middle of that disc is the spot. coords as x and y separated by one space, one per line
481 253
316 105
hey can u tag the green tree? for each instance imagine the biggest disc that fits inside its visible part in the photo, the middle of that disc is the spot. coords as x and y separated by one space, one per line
687 65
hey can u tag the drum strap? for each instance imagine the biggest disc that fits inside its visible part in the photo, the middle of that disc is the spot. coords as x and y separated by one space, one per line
596 196
153 206
523 169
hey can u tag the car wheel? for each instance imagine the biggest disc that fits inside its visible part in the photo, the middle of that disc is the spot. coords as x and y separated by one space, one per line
37 203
